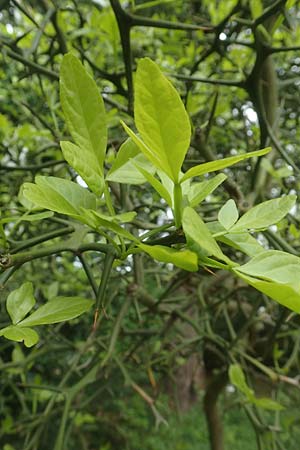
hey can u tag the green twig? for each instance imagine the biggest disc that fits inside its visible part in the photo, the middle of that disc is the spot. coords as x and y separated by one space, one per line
32 65
100 300
116 330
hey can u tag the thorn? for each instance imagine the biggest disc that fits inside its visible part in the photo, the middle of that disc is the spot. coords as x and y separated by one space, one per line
209 271
96 316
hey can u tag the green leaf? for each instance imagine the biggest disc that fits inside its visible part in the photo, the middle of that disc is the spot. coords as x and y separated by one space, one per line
150 155
97 220
59 195
219 164
85 164
228 214
199 191
124 170
265 214
237 378
274 265
19 334
20 301
57 310
185 259
197 232
268 403
243 242
156 184
256 8
27 217
83 108
161 118
124 217
276 274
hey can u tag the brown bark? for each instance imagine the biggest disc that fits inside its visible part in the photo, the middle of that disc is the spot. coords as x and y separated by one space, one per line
213 418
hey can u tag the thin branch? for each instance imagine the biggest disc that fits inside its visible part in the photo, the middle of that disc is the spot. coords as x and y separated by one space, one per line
18 259
270 11
239 84
284 49
32 65
32 167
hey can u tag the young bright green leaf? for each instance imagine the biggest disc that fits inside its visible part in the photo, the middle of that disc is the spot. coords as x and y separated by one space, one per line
124 217
219 164
97 220
24 202
57 310
28 217
20 301
199 191
155 183
274 265
85 164
205 261
243 242
161 118
59 195
276 274
197 232
265 214
256 8
150 155
237 378
19 334
282 293
216 229
123 169
118 218
267 403
228 214
185 259
83 108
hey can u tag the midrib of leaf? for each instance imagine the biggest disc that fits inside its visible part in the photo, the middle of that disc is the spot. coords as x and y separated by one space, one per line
158 121
84 118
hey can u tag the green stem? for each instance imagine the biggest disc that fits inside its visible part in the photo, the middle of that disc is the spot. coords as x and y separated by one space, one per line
43 238
108 263
61 434
18 259
108 200
177 205
32 65
116 330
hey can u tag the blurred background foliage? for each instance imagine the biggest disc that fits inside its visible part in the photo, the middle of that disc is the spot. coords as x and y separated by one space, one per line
171 335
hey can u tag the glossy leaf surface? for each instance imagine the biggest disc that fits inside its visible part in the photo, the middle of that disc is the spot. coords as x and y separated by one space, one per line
156 184
199 191
85 164
57 310
220 164
59 195
161 118
196 231
243 242
124 170
185 259
237 378
265 214
276 274
20 301
83 108
228 214
20 334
